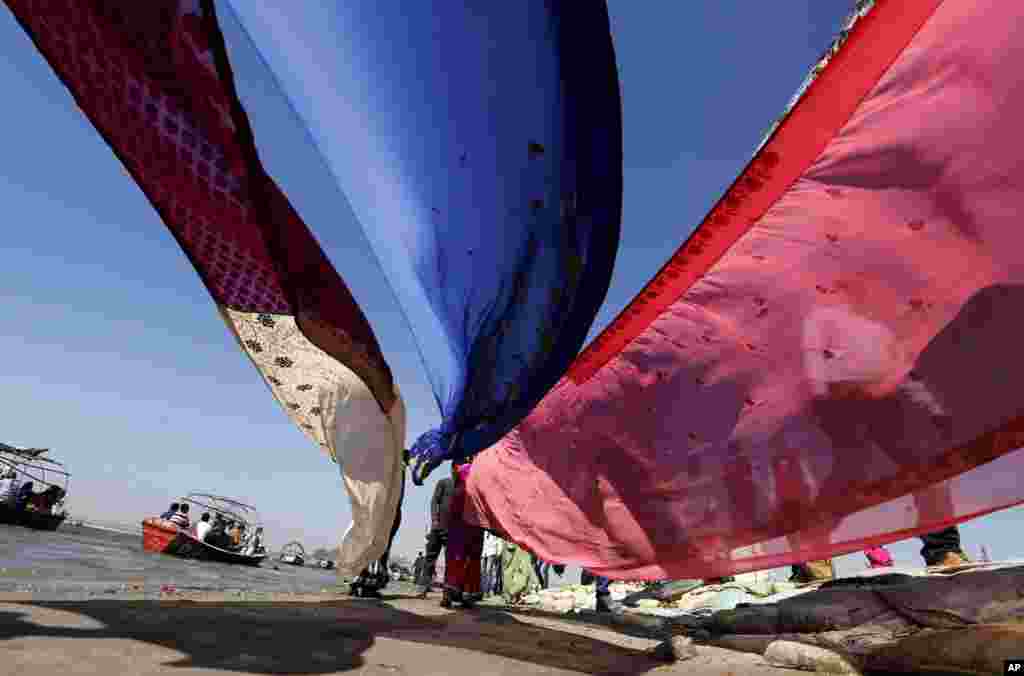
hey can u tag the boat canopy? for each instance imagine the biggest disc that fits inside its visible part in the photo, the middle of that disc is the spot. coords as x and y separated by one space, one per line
24 452
294 548
31 466
229 508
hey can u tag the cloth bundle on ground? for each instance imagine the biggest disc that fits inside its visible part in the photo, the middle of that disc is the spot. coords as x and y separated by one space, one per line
481 149
968 621
831 359
154 79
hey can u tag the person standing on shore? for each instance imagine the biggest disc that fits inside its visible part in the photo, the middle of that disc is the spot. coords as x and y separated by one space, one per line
491 564
942 548
437 537
807 572
463 550
603 602
417 566
542 569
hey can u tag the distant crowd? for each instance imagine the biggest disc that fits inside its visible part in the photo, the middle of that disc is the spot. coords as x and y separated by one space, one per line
479 563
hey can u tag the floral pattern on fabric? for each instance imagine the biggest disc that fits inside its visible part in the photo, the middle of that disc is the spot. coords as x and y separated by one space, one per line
150 76
153 78
304 379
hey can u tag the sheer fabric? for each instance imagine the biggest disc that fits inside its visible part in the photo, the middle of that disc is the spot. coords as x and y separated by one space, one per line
154 79
830 362
480 146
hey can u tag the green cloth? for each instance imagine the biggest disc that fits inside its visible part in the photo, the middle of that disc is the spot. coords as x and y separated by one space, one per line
518 576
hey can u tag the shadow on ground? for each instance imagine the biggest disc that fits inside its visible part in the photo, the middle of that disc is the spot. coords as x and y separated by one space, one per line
318 638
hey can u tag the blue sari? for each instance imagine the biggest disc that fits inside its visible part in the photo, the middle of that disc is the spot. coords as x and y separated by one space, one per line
480 147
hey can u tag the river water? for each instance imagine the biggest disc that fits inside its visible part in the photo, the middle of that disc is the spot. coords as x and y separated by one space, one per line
78 562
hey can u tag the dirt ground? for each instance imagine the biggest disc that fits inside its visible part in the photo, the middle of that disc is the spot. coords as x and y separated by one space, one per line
185 634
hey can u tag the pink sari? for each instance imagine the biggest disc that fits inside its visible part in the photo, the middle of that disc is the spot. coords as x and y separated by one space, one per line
832 360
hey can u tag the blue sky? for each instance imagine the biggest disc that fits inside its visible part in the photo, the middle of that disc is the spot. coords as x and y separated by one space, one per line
113 353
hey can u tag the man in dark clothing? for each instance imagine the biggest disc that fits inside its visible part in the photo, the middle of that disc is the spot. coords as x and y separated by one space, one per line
218 536
437 537
539 569
417 566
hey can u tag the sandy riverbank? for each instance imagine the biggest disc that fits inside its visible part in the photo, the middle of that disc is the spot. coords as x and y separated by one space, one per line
84 601
81 601
307 634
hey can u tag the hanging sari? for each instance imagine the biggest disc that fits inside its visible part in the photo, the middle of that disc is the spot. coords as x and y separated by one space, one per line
377 575
155 80
480 146
831 361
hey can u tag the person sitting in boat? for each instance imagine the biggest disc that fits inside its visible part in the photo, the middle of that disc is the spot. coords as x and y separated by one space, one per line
217 537
170 512
464 547
203 527
9 488
254 545
236 534
44 502
181 518
25 494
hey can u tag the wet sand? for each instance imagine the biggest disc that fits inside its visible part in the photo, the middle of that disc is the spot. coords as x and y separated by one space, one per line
83 601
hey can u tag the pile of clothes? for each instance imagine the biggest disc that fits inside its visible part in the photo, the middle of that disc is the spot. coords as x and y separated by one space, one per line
962 619
578 597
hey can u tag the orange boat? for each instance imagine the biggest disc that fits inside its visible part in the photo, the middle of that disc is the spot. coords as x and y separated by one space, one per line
166 537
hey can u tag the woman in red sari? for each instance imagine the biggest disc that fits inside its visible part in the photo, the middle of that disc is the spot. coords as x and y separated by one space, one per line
463 551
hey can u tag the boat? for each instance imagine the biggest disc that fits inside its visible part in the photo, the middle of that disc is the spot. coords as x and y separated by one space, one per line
166 537
293 554
30 464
